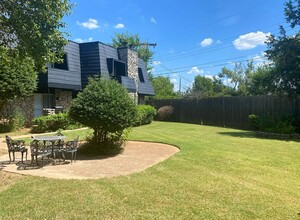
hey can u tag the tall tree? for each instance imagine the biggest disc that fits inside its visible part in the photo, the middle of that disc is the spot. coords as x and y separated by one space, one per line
34 28
284 52
239 78
260 81
30 37
133 40
292 12
235 76
163 88
202 86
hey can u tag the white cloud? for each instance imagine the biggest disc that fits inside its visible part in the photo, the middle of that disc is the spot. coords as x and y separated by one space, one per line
189 85
227 82
80 40
153 20
218 42
119 26
152 70
195 70
173 80
90 24
206 42
250 40
231 63
156 63
175 83
209 76
257 58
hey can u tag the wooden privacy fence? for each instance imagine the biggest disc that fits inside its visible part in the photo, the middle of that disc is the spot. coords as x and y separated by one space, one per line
227 111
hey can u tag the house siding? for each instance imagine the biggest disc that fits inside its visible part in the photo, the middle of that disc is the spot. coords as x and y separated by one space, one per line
105 52
67 79
90 61
144 88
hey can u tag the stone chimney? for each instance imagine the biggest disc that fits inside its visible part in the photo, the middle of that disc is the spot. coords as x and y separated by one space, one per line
130 56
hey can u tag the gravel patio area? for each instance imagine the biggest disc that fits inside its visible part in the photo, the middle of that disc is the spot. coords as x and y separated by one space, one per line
136 157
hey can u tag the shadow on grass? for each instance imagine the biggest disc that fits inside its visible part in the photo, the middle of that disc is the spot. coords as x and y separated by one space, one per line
252 134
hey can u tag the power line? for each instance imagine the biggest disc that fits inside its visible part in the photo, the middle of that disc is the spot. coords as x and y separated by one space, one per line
222 39
210 66
212 62
180 56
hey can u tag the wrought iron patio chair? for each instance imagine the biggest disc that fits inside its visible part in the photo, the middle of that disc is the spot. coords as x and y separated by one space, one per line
39 149
57 149
15 146
71 147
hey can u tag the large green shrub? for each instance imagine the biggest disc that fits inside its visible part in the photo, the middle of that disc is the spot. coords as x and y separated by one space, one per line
145 114
106 107
53 123
282 124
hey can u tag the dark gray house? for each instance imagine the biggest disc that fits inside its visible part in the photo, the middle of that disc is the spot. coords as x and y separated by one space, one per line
63 81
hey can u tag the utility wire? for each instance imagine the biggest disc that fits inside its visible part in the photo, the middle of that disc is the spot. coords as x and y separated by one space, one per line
210 66
212 62
222 40
212 49
203 52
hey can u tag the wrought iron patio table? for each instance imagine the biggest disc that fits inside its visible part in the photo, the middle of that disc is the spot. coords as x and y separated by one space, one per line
51 139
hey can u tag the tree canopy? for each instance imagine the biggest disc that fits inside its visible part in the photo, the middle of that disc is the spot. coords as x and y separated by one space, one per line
30 36
163 88
17 76
284 52
133 40
34 29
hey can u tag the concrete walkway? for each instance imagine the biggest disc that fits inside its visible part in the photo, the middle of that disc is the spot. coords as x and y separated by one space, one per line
136 157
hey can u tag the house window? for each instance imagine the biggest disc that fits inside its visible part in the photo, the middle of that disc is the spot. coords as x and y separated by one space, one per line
64 65
110 67
116 68
119 69
141 76
48 100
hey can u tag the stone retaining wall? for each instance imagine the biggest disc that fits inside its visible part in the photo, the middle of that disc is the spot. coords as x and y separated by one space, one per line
26 106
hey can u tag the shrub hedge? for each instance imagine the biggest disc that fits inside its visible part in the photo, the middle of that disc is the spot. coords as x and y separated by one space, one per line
145 115
282 124
53 123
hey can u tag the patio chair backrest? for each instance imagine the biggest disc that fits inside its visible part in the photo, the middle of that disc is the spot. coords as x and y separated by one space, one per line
14 145
8 141
72 145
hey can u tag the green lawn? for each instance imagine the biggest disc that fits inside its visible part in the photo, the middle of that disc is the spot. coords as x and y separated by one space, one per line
218 174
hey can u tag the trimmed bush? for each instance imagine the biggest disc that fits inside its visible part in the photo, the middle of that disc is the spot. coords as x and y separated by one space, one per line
282 124
164 113
145 115
53 123
106 107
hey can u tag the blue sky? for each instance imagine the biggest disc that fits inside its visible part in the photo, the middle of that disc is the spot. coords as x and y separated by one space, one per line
193 37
